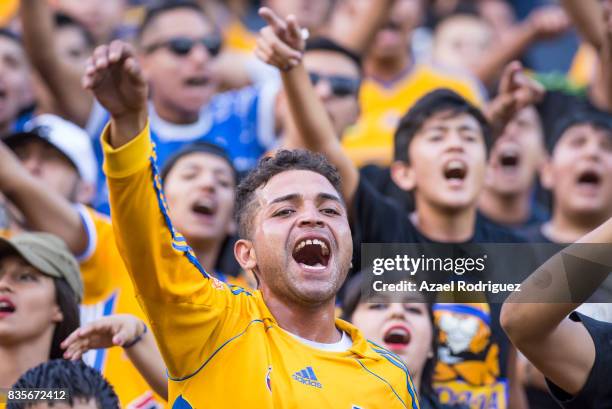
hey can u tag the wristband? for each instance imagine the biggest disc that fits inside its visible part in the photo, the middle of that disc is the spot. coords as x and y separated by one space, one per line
137 339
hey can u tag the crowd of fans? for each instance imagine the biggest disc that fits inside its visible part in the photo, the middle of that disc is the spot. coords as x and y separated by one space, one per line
425 121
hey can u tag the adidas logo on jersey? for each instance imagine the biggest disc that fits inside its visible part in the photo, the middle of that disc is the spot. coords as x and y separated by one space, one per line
307 377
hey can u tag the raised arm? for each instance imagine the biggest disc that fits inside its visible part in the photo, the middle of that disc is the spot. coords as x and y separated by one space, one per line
586 16
62 79
600 90
281 45
43 209
186 307
543 23
365 22
536 320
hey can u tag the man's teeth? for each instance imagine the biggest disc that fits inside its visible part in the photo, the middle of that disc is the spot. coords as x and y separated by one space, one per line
455 165
303 243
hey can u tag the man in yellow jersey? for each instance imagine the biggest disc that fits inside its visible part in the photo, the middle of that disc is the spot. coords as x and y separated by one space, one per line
277 347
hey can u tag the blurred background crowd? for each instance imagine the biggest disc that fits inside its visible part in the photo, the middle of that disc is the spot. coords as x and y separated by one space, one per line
216 109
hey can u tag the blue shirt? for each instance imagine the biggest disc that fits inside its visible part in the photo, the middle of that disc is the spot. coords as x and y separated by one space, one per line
240 121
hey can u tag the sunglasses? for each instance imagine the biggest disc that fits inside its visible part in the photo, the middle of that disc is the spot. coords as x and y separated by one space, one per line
340 86
182 46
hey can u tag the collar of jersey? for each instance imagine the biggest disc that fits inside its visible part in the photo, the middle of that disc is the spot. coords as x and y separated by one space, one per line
360 344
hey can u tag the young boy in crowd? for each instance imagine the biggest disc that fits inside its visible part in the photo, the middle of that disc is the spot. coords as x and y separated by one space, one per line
578 172
508 196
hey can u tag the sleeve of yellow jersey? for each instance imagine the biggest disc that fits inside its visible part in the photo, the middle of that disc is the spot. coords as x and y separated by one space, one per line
189 311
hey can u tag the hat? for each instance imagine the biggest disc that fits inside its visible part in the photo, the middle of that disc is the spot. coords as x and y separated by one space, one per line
66 137
48 254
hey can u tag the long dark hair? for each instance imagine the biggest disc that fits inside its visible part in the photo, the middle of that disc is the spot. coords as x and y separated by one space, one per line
67 302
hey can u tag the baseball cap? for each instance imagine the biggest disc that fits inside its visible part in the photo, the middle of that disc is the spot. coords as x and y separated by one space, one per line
589 116
66 137
48 254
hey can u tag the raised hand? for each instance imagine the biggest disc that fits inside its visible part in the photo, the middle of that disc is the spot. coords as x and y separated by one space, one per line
548 22
116 80
280 43
114 330
516 91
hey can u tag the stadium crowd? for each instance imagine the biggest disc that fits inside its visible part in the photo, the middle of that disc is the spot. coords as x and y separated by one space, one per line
185 188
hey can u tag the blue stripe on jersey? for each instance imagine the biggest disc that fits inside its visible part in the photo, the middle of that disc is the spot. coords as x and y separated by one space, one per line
109 307
161 201
382 379
397 361
214 353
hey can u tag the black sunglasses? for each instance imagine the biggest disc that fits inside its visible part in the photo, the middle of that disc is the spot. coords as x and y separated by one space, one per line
340 86
182 46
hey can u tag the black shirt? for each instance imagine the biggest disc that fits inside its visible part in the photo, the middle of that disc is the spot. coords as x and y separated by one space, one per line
478 371
379 219
597 391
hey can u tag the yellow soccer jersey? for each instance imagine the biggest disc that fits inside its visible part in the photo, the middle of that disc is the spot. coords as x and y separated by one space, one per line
382 105
222 346
109 290
238 38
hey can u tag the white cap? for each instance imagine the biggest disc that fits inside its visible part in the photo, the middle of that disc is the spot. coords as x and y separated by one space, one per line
68 138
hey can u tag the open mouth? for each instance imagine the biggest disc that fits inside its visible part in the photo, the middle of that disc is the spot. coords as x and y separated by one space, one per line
204 208
6 307
198 81
397 337
391 25
589 178
509 159
312 253
455 170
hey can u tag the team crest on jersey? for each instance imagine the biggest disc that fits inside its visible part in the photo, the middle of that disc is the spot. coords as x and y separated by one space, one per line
268 380
307 377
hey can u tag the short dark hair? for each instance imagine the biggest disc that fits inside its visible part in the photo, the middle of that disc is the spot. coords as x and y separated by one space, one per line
327 44
583 116
440 100
200 146
162 6
271 166
80 381
64 20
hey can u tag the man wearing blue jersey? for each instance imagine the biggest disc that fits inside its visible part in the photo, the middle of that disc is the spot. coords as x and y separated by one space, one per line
177 44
